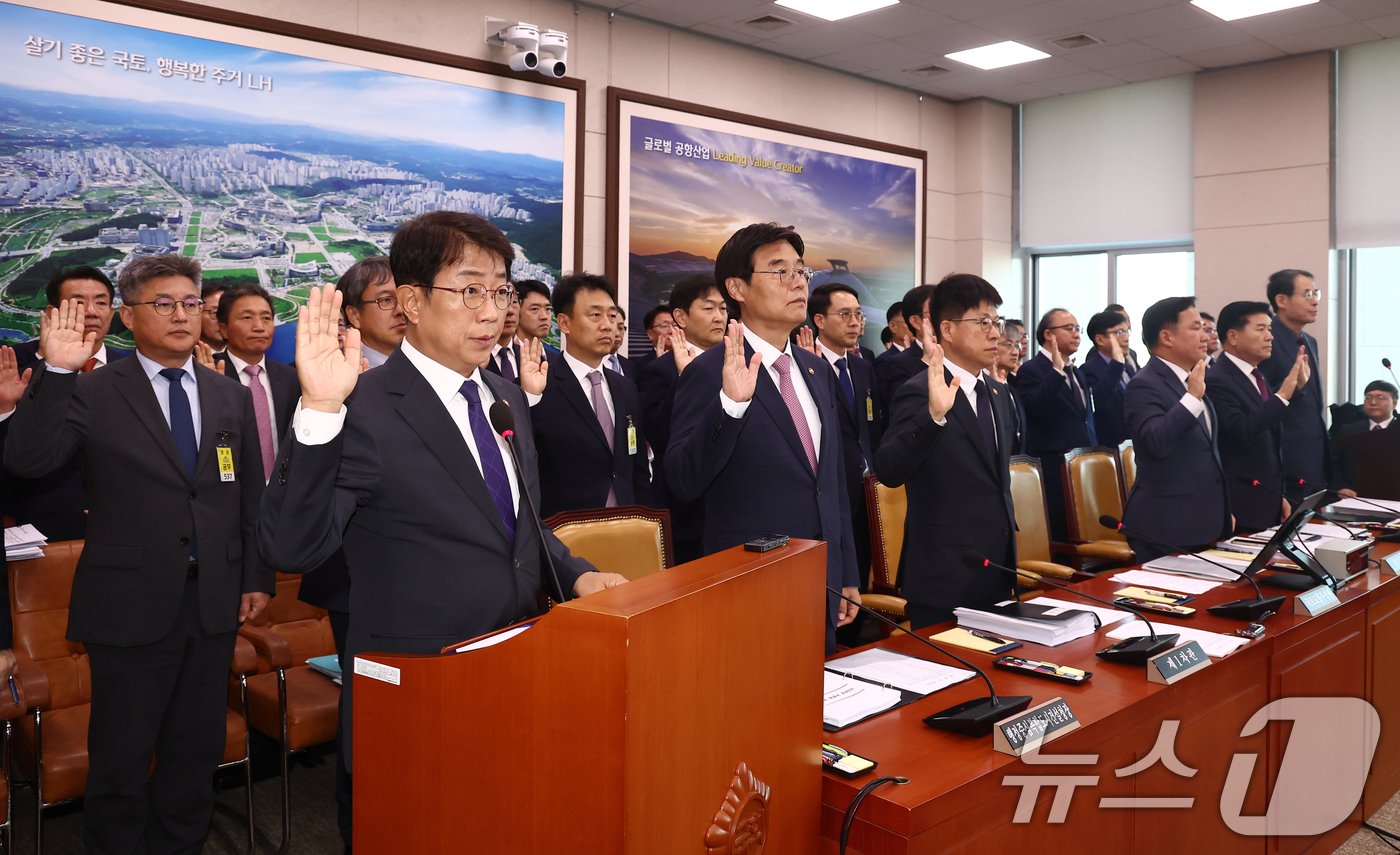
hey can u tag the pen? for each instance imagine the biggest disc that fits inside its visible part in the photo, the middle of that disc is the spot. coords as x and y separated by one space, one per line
14 692
987 636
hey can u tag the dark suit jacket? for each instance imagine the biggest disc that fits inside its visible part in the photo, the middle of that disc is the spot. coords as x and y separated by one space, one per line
56 503
576 466
959 498
1344 456
1103 379
1250 435
1017 411
1306 449
1179 497
495 367
144 508
1056 420
893 367
657 384
286 391
752 472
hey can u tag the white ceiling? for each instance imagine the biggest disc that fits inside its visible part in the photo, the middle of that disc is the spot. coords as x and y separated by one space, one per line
1142 39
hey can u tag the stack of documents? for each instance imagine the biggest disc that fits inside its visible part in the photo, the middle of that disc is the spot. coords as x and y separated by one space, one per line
1367 508
897 671
1215 644
1191 565
1164 581
24 541
846 700
1038 624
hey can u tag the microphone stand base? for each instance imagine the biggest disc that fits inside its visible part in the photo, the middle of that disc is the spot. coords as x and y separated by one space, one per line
1136 651
1288 581
1250 610
977 716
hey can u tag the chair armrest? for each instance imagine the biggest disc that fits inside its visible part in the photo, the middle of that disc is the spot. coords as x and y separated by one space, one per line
1047 568
33 684
245 658
271 647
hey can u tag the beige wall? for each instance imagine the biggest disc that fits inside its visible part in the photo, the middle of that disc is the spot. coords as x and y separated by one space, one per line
969 209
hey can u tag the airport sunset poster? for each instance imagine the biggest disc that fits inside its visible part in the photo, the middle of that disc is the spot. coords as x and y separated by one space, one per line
269 159
688 179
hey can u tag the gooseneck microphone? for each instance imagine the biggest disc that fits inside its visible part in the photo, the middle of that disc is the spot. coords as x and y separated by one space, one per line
970 718
1255 482
1131 651
1251 610
1386 362
503 422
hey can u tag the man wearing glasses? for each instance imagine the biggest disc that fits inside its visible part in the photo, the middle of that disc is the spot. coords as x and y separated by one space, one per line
372 306
169 570
1106 373
1294 297
1010 349
407 476
755 430
1379 406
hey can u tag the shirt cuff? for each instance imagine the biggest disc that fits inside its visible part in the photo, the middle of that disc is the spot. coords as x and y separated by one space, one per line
732 408
1195 406
4 416
54 369
532 399
943 422
1281 398
315 427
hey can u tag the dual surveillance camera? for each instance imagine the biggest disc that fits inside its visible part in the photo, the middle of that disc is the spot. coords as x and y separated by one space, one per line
533 49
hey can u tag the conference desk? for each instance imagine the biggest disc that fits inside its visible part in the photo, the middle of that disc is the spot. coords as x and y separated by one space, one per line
959 798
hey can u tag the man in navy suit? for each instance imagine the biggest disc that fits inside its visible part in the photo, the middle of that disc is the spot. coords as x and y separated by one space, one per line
1106 373
246 322
505 353
588 424
1059 411
1179 498
57 503
756 430
1010 347
1251 416
1294 297
1379 406
949 444
534 314
893 367
698 317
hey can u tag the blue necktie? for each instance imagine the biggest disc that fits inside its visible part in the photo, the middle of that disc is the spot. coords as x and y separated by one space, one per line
844 377
182 429
493 466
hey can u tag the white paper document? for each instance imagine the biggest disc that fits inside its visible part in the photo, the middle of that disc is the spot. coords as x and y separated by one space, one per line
1366 505
1106 615
1214 644
1165 582
899 671
846 700
1191 565
24 541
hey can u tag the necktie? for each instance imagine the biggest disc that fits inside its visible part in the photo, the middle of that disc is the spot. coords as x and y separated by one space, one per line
1127 375
783 366
1074 384
507 370
984 416
1259 381
493 466
182 430
847 388
1376 426
262 414
616 363
90 364
605 421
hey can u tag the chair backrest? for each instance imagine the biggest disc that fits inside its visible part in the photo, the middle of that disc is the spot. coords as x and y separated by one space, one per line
1128 458
1028 498
39 592
1092 489
632 540
887 508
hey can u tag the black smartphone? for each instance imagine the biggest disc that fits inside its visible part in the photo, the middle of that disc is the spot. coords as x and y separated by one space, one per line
767 543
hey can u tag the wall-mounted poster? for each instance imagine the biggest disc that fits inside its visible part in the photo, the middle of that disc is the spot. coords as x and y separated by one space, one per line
269 158
682 179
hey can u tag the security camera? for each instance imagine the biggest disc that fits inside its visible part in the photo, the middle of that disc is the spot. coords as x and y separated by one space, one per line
554 52
525 38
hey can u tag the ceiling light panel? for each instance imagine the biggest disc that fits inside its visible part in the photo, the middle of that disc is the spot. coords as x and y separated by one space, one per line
1233 10
998 55
836 10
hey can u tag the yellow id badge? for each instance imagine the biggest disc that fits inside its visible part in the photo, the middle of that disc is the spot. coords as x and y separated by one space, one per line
225 455
869 408
631 437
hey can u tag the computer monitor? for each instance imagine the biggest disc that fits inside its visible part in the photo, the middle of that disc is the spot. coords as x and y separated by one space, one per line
1313 573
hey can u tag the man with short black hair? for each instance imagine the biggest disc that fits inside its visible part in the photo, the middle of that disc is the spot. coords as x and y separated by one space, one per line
948 445
505 353
892 368
246 322
371 305
1010 350
1209 327
211 293
622 365
1106 373
1379 406
1294 297
535 313
1179 497
894 321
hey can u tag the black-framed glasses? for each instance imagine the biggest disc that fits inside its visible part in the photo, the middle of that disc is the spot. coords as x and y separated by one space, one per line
987 324
474 296
387 302
166 306
1074 328
788 275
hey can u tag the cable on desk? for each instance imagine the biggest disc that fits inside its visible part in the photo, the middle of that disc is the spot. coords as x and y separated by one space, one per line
849 819
1382 835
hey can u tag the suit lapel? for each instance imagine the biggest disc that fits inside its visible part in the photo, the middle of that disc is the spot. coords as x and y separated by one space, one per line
140 395
573 393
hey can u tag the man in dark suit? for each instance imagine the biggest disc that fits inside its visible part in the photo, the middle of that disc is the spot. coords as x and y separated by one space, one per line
1294 297
622 365
893 367
1009 349
211 293
1379 406
371 306
1251 416
949 444
171 458
246 322
57 503
412 452
698 318
534 314
505 353
755 429
1179 497
1106 374
588 424
659 323
13 382
1059 412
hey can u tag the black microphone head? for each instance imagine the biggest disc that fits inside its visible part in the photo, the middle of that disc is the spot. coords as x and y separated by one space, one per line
975 559
1385 361
1109 522
502 418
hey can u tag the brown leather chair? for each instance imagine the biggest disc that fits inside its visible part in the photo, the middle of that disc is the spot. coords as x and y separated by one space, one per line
1127 458
52 740
1033 556
287 700
1093 488
886 508
9 711
632 540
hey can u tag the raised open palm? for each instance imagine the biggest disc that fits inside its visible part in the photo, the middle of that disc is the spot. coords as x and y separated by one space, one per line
327 374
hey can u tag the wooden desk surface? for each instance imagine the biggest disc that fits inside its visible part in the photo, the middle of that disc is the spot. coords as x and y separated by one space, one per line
957 798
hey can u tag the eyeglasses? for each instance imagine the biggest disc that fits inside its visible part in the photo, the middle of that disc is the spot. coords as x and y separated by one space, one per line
847 315
1074 328
474 296
1379 398
663 325
1310 294
387 302
987 324
788 275
166 306
1122 333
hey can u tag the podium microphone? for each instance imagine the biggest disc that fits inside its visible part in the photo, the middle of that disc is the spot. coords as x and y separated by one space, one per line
970 718
1255 482
1307 485
1130 651
503 422
1386 362
1251 610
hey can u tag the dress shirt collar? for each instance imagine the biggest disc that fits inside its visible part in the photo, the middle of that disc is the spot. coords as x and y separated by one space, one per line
498 347
1385 425
769 353
153 368
1177 370
100 355
580 368
1241 364
831 355
444 381
969 380
239 365
373 357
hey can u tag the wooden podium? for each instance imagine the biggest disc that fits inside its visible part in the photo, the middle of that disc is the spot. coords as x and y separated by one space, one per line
678 713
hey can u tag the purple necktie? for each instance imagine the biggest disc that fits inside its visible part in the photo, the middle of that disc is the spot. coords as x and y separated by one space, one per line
783 366
605 421
262 414
508 370
1259 381
493 466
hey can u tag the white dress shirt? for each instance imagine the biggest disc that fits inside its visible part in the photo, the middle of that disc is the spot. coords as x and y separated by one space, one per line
1249 373
496 350
770 354
581 372
266 383
1381 425
1195 406
967 385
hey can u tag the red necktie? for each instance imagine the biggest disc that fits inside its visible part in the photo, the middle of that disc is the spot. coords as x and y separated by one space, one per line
1259 381
90 364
